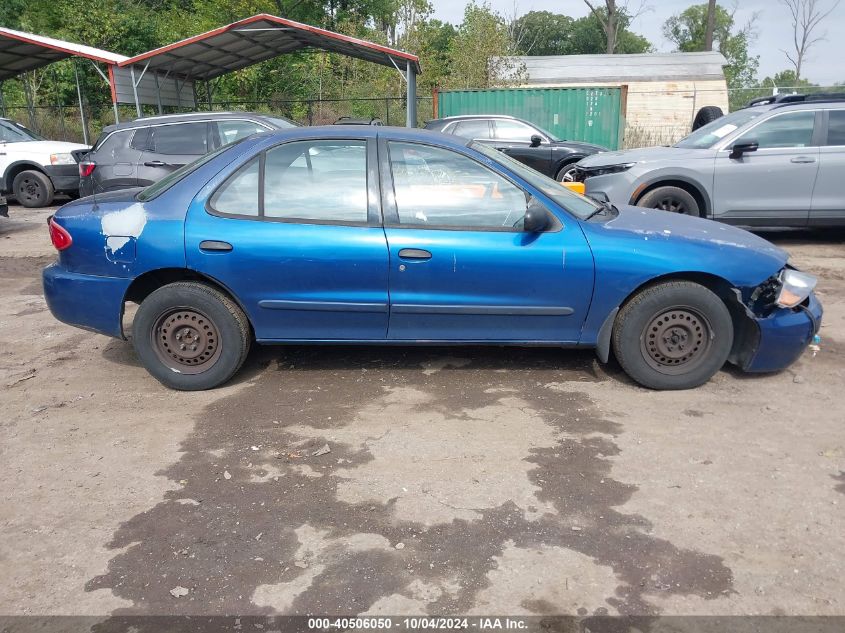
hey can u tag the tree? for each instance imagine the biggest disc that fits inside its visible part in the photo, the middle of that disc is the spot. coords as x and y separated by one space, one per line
806 17
545 33
612 17
711 24
687 31
478 53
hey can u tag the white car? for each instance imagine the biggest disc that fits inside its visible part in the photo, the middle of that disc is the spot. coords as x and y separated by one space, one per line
35 169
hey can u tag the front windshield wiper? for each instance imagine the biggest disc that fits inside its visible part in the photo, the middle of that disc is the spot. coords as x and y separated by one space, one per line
605 206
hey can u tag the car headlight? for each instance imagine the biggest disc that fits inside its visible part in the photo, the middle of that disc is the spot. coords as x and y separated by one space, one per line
794 287
604 170
62 159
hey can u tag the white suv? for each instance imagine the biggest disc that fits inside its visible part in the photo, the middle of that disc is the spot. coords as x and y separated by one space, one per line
34 169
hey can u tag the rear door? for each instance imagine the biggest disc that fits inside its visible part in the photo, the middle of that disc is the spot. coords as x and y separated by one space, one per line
514 139
829 193
170 146
773 185
295 233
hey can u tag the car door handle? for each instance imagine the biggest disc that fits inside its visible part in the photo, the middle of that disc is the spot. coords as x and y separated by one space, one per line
803 159
215 246
155 163
414 253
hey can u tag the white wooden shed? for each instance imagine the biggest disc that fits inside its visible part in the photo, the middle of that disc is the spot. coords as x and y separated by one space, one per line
661 92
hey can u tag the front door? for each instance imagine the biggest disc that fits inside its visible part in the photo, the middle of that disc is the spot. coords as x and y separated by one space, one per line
773 185
461 268
305 254
171 146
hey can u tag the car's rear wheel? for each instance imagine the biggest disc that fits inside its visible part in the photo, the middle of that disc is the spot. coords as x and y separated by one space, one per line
567 173
674 335
33 189
190 336
672 199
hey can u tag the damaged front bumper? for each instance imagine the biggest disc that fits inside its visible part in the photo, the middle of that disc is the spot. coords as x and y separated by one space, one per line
775 341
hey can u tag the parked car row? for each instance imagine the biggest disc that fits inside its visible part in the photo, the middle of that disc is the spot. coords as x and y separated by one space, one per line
775 162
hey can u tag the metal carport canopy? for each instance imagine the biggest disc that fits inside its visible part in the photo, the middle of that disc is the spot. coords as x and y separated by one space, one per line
21 52
262 37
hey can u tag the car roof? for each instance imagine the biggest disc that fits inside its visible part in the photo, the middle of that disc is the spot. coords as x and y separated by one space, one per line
394 133
460 117
185 117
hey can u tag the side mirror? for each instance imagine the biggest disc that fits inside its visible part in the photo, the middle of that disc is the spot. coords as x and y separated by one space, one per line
536 140
537 218
741 148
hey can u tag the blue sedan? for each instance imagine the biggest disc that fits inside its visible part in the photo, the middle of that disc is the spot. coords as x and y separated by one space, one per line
399 236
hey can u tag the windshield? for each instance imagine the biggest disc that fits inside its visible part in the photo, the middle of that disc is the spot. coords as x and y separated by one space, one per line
578 206
14 132
157 188
708 135
281 122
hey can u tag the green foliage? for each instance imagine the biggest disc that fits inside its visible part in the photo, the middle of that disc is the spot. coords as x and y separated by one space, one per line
546 33
686 30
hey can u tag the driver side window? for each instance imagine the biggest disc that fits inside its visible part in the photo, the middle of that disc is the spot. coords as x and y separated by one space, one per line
436 187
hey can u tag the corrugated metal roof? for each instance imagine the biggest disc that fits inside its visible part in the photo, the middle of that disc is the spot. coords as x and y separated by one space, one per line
21 52
595 69
256 39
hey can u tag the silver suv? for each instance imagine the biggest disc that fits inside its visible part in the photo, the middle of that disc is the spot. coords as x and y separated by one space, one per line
778 162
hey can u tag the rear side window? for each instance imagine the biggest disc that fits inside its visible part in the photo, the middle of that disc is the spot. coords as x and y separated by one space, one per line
180 138
141 139
106 146
476 129
308 181
836 127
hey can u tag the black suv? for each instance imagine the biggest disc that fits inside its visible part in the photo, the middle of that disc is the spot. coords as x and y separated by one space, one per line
520 139
140 152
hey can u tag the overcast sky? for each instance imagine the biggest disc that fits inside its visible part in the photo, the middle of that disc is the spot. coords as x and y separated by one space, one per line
826 63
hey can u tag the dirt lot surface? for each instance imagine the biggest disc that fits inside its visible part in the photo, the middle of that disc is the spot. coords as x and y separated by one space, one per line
457 480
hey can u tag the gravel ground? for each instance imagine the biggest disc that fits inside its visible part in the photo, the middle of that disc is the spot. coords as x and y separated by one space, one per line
457 480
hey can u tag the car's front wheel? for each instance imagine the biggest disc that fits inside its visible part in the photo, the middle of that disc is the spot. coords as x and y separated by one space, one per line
190 336
673 199
673 335
567 173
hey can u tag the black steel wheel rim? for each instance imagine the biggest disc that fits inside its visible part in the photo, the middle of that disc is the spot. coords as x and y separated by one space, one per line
30 189
672 204
186 340
676 340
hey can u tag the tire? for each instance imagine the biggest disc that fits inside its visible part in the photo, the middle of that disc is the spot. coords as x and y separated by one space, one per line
706 115
208 325
33 189
673 199
566 172
673 335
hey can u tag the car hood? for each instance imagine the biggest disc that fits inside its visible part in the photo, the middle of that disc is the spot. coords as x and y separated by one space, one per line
587 148
45 147
656 243
643 155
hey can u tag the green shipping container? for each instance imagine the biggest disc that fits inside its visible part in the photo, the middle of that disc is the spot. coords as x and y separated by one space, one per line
593 115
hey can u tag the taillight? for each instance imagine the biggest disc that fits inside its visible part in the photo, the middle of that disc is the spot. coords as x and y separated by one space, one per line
59 236
86 169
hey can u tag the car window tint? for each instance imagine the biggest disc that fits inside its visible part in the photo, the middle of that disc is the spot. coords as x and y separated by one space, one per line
239 194
141 139
476 129
793 129
836 127
181 138
317 180
439 187
513 131
231 131
113 142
